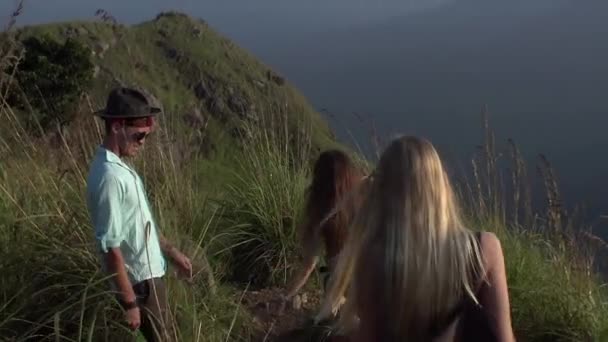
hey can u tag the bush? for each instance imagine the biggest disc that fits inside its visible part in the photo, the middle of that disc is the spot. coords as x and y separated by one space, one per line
50 79
263 203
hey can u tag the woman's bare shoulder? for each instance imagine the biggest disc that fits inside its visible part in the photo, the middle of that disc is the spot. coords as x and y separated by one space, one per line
489 240
491 249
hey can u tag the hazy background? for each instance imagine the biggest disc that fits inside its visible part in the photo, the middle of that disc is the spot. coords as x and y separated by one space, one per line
427 67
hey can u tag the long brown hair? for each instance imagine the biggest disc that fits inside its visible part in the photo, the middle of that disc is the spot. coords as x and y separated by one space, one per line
334 177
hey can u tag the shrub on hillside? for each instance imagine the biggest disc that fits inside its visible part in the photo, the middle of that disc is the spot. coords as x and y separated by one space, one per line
49 80
262 204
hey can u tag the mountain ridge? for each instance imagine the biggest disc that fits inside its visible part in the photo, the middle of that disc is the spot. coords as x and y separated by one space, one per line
196 74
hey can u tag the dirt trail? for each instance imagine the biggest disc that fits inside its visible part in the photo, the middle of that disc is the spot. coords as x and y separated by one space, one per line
271 321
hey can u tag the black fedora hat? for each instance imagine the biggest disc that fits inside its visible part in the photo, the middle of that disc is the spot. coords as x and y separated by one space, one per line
126 103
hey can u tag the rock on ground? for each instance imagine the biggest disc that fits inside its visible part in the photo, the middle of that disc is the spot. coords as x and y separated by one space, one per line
271 319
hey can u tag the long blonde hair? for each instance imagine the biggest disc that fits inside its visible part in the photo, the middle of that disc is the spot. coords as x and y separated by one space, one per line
423 256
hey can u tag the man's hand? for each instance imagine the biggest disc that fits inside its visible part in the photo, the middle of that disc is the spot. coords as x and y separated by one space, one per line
178 258
133 317
182 263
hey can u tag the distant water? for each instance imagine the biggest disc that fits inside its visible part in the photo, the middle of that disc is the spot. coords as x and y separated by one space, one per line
428 68
539 66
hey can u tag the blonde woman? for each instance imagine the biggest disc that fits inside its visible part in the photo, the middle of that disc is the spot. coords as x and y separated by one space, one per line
413 271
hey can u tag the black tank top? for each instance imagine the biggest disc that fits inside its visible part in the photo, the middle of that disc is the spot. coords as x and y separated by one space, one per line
474 321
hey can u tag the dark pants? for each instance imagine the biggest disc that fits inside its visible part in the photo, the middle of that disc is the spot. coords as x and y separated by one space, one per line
152 300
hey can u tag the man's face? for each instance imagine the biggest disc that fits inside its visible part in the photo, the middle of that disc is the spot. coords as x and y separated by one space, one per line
131 139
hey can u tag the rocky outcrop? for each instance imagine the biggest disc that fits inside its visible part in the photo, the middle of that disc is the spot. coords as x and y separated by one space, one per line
195 119
272 76
204 88
170 14
163 33
96 70
259 84
239 105
218 107
236 102
74 31
172 53
100 48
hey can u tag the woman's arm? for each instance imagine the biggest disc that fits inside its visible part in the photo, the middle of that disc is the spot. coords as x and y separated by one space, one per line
310 248
495 297
308 265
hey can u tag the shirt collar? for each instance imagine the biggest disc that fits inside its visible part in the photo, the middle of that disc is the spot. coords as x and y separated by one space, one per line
110 157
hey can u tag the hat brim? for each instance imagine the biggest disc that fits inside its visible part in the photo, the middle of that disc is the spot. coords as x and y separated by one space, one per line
102 113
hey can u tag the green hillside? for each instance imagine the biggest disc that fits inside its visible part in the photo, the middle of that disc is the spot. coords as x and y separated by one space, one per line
196 74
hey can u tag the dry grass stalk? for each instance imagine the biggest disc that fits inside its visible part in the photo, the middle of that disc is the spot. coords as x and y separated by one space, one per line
10 53
554 203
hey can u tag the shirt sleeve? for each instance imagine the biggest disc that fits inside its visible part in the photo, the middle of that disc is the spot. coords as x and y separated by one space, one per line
107 214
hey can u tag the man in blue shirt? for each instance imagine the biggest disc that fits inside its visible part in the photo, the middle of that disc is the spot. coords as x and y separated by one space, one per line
131 246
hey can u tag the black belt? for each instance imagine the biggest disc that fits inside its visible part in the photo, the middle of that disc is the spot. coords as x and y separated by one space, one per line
142 292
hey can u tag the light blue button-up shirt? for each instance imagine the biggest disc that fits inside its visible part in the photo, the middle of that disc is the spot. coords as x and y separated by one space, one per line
119 210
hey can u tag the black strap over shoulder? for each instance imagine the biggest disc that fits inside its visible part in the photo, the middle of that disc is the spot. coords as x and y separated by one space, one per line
476 324
440 325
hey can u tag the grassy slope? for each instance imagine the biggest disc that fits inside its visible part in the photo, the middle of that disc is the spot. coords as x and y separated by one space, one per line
138 56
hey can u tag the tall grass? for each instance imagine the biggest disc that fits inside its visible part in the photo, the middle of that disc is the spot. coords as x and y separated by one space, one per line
51 287
551 298
555 293
264 201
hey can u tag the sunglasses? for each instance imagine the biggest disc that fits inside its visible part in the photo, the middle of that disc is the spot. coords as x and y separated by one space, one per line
140 136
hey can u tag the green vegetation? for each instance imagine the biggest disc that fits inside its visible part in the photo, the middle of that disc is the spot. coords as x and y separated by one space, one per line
554 291
193 72
552 299
50 79
264 201
226 174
